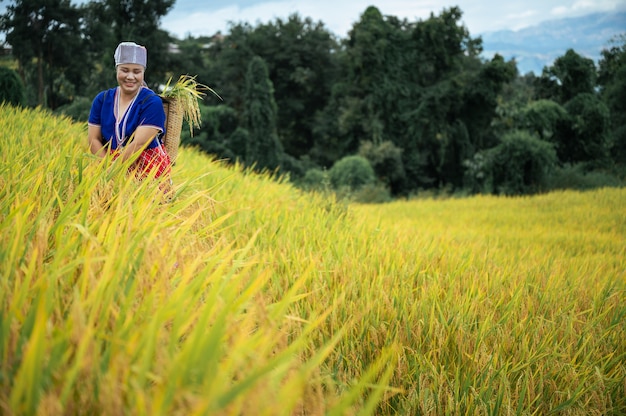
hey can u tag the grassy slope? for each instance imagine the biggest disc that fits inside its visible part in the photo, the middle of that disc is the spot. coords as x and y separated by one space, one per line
245 296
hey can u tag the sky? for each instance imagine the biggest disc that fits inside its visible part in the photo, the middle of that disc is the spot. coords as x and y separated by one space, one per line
206 17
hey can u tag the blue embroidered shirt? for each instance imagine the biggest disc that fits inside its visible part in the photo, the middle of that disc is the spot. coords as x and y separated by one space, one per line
145 110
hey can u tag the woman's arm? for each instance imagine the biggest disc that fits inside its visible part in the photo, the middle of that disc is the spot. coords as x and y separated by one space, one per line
142 136
94 135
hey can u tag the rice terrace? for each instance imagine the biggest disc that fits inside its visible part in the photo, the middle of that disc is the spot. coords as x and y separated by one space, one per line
247 296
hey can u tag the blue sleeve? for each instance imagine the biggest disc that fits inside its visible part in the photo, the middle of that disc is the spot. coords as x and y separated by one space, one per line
95 114
152 113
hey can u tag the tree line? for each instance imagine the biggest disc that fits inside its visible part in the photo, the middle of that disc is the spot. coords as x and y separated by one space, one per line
395 108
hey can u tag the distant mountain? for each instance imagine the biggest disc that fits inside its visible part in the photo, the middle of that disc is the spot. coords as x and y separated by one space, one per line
538 46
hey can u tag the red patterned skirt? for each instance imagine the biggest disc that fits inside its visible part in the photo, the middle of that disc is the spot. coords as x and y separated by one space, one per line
154 161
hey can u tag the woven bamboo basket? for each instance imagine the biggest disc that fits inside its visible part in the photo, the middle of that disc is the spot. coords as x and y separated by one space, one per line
173 126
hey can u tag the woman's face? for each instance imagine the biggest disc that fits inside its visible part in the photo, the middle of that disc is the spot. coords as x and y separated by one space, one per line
130 77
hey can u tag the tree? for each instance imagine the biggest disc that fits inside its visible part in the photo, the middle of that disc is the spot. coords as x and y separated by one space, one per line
219 125
570 75
440 134
386 160
226 64
352 172
544 118
315 179
586 137
612 81
11 87
302 66
373 88
100 43
441 43
520 163
301 59
196 56
46 32
403 83
480 99
109 22
377 65
263 148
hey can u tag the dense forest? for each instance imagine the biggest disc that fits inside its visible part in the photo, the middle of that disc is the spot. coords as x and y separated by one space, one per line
394 109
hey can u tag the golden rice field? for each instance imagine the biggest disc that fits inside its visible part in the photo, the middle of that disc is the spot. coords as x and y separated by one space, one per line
244 296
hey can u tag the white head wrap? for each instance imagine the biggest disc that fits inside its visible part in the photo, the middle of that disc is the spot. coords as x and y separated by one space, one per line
131 53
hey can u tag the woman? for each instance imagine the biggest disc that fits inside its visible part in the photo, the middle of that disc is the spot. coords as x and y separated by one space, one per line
128 121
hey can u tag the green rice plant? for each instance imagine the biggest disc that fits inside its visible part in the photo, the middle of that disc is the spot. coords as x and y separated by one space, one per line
245 295
187 92
115 303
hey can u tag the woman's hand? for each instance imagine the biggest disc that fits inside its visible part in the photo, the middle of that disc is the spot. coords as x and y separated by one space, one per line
137 143
94 134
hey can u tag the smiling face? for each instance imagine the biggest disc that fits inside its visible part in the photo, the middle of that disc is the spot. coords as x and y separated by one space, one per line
130 78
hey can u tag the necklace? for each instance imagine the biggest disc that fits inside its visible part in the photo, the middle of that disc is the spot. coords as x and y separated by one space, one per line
121 122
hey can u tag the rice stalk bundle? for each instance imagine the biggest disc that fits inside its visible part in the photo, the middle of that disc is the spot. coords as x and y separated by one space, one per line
181 102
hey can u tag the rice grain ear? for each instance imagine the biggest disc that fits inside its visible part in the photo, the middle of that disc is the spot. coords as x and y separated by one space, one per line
188 92
181 102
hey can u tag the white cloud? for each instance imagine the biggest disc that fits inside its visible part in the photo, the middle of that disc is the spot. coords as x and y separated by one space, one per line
559 11
582 7
339 15
523 15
